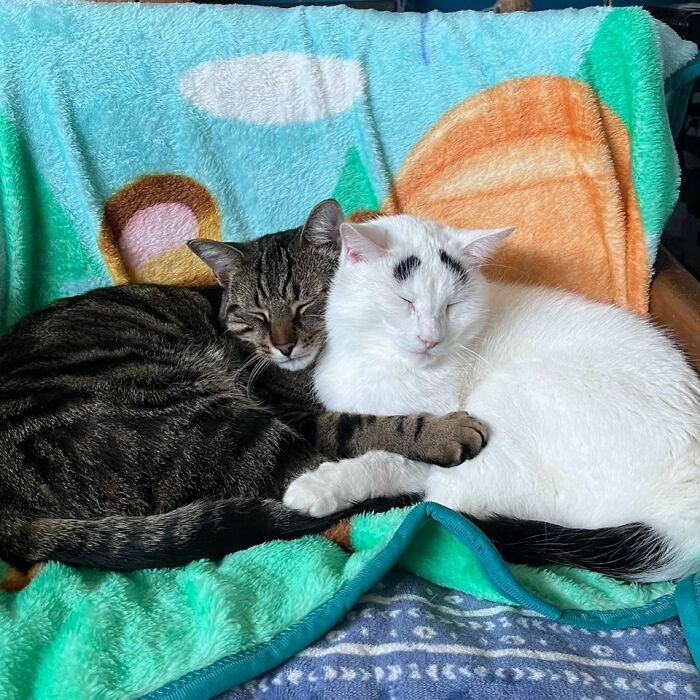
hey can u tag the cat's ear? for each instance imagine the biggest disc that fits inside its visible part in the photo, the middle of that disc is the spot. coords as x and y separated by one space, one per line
481 244
363 242
222 258
322 227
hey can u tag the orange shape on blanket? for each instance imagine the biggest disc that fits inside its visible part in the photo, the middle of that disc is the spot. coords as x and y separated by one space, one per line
16 580
146 224
544 155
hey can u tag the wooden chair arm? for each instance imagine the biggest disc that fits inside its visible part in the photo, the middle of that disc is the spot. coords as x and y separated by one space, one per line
675 303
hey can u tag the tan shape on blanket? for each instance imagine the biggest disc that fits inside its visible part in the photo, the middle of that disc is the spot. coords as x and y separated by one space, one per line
340 534
544 155
145 226
16 580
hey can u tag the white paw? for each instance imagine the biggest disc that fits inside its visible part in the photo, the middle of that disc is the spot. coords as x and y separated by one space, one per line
315 494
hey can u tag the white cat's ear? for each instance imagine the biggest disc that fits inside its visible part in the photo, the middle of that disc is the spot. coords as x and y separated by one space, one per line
322 227
222 258
363 242
481 244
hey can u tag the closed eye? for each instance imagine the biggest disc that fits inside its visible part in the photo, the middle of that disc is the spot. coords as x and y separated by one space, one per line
409 302
260 315
301 307
238 326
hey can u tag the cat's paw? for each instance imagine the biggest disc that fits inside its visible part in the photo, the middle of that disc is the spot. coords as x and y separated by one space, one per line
315 493
452 439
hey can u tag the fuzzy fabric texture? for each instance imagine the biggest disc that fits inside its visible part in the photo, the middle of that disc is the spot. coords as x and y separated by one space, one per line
80 633
127 128
436 555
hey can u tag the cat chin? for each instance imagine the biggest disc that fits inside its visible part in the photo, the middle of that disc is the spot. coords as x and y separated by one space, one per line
419 360
296 364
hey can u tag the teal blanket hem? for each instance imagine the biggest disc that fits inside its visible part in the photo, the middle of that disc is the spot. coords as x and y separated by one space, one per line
687 597
241 667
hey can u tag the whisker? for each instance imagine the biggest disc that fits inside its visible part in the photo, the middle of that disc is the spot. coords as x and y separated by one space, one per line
473 353
251 360
262 365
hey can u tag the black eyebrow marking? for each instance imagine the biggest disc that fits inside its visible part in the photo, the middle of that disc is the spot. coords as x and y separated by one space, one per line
453 265
404 269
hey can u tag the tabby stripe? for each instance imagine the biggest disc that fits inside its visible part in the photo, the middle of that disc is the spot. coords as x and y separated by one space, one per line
139 305
419 427
49 407
258 279
107 364
113 315
289 273
347 425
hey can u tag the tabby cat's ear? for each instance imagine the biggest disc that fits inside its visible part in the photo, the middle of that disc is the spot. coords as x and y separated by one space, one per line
481 244
322 227
363 242
222 258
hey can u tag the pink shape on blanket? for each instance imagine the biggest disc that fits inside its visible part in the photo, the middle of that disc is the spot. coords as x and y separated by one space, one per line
155 230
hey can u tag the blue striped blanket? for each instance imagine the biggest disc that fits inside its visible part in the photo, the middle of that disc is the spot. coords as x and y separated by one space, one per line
408 638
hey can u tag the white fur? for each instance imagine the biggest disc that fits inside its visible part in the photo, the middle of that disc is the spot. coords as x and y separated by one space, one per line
594 413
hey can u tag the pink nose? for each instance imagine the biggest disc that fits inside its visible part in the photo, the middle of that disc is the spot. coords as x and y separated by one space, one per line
428 342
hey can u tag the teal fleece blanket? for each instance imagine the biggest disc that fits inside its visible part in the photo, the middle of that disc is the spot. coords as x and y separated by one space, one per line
126 129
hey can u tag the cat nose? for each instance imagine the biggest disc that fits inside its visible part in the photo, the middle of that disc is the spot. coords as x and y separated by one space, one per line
429 343
285 348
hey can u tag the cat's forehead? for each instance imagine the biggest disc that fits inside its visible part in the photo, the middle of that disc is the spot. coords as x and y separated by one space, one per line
281 266
428 265
423 250
419 236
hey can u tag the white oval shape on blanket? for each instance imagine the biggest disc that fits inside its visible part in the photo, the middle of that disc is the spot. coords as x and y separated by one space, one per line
274 88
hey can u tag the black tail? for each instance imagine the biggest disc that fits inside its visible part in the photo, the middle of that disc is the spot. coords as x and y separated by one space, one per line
210 530
202 530
628 552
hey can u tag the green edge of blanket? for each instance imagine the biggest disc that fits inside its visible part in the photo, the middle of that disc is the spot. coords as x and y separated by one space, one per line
239 668
41 251
654 167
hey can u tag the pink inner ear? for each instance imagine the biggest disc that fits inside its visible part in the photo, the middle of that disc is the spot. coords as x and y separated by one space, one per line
156 230
359 243
352 255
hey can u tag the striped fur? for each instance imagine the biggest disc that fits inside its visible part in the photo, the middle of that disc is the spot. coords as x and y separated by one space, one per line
148 425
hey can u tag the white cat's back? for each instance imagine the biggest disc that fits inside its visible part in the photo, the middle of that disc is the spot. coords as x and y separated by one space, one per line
594 343
595 416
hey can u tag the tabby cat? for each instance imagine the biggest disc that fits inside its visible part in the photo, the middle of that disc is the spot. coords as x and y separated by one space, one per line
148 426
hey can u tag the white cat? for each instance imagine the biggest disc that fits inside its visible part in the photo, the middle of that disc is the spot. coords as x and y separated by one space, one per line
594 413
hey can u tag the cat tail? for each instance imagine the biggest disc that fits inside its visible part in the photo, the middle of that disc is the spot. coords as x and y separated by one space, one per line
634 552
200 530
